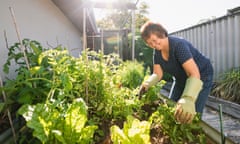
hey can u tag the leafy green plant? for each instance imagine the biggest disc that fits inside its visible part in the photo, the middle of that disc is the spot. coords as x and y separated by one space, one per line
131 74
134 131
23 89
228 86
53 91
153 94
57 76
32 86
15 54
164 120
52 124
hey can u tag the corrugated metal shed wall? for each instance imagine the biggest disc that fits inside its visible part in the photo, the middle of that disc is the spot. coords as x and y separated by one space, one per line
218 39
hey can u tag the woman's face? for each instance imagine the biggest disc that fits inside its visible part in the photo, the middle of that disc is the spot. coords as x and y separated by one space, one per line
156 43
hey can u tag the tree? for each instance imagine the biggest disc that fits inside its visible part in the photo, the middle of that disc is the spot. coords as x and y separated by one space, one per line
121 18
141 17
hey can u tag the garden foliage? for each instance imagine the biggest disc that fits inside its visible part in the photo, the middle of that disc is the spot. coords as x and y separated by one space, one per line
228 86
65 99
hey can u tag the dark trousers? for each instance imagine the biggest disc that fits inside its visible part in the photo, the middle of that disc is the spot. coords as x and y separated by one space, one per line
202 97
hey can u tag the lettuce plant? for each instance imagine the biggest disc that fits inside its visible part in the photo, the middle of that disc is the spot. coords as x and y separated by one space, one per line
134 131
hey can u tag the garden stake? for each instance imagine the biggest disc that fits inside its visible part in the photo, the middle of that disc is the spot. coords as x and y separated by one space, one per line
19 38
221 124
8 113
5 37
23 48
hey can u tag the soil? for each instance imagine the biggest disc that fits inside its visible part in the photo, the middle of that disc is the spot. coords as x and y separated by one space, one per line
4 122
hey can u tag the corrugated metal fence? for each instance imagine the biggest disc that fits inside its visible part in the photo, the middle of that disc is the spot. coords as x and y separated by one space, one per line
218 39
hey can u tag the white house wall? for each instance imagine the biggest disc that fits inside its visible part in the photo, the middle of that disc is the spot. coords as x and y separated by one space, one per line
38 20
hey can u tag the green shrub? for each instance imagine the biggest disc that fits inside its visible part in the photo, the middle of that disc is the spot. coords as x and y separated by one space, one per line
228 86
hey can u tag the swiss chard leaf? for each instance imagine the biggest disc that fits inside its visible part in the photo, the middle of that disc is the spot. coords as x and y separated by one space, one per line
50 125
134 131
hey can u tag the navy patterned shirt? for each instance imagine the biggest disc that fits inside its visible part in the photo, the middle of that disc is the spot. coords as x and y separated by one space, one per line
180 51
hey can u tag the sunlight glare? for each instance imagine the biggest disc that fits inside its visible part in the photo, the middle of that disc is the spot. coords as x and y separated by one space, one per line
104 0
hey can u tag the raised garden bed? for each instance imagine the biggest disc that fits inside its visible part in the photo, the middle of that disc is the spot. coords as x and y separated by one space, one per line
228 107
91 99
157 135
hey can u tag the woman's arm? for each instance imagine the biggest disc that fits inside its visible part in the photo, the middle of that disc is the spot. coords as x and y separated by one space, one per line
152 80
158 70
185 108
191 68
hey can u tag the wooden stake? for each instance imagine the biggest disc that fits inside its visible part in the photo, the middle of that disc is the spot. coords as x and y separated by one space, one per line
5 37
8 113
23 48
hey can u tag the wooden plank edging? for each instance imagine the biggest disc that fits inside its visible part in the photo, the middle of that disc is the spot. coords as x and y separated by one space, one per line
228 107
213 134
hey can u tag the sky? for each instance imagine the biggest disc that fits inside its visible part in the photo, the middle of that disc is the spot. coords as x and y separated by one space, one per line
175 15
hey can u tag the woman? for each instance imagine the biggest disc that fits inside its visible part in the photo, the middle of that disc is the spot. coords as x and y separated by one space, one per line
178 57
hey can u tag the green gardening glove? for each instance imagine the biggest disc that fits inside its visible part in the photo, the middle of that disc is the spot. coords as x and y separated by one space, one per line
185 108
152 80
